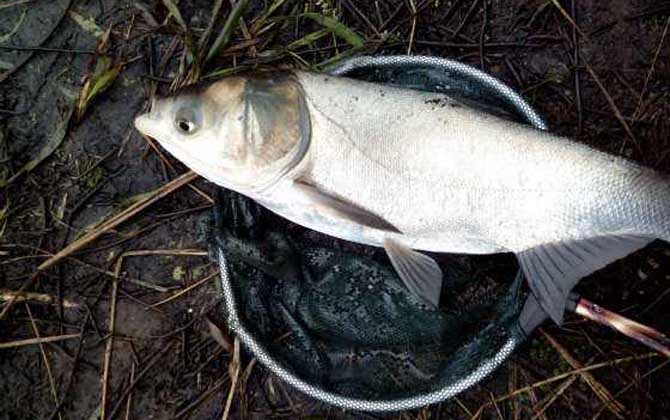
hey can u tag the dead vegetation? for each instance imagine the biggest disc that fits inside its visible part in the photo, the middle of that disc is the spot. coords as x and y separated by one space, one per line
88 332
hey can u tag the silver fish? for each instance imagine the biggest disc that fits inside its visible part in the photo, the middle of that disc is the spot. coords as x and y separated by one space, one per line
411 170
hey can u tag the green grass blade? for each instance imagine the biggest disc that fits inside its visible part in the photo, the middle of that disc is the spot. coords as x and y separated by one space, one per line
338 28
231 23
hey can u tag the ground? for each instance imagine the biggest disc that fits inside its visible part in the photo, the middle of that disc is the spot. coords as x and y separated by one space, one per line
132 305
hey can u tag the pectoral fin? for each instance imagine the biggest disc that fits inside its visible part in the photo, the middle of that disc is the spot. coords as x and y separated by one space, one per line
552 270
342 209
419 272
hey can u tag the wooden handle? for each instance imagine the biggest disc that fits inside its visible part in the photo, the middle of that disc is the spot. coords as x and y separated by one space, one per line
641 333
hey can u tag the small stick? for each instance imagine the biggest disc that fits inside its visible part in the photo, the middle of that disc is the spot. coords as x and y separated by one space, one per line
613 105
235 367
157 356
10 303
108 349
40 340
202 397
116 220
413 31
636 113
482 35
595 77
17 296
466 18
186 290
575 59
45 49
598 388
641 333
540 408
130 396
570 373
14 3
52 385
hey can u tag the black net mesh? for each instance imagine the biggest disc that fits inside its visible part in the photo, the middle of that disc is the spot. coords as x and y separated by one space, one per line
345 322
333 319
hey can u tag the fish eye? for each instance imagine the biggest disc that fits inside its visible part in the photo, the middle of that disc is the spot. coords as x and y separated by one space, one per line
186 121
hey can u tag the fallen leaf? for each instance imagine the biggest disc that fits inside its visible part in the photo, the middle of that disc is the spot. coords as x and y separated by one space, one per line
223 339
102 78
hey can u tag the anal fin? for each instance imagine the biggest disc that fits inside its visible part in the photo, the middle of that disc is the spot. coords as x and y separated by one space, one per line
552 270
418 272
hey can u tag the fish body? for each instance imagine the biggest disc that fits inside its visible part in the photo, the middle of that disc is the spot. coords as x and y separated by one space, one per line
412 170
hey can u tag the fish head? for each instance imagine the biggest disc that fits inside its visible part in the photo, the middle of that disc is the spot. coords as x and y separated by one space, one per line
243 133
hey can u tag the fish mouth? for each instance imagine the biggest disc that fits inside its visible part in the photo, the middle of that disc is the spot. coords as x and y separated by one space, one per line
144 124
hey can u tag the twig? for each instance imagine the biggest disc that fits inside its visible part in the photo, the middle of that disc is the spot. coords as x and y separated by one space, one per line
569 374
234 371
575 59
482 34
413 30
116 220
595 77
567 16
146 252
495 405
31 341
599 389
130 396
466 17
367 21
113 275
14 3
463 407
45 49
6 294
139 376
75 360
202 397
627 387
186 290
540 408
47 365
109 348
651 69
513 383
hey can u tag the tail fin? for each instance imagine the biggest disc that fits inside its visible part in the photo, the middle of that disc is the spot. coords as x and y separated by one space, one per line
552 270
